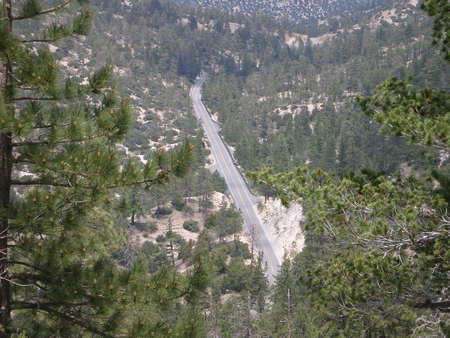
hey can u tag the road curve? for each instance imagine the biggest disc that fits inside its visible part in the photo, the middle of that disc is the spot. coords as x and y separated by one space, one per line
240 193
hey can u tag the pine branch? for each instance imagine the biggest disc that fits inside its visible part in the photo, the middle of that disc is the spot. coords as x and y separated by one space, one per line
443 306
31 143
47 126
26 305
70 318
25 264
130 184
26 98
46 11
30 278
38 40
66 185
41 182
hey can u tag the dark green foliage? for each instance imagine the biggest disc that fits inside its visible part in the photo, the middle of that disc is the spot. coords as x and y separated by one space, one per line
237 277
443 177
331 137
439 10
178 203
218 183
61 226
185 251
154 255
171 236
160 238
238 249
56 32
147 227
322 125
82 23
31 8
191 226
162 211
225 222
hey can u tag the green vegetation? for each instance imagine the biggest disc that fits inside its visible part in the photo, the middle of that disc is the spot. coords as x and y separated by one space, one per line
302 110
60 174
191 226
378 248
225 222
80 254
147 227
178 203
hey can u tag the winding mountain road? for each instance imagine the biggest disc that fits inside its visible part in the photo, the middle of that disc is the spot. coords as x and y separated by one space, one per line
240 193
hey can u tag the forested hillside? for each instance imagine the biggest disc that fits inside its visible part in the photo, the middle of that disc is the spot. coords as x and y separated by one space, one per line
295 10
113 221
302 110
376 259
94 213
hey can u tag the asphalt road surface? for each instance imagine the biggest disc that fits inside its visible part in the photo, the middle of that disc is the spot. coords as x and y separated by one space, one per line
240 193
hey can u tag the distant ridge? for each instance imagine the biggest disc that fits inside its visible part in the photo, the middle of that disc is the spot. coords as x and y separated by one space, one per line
292 9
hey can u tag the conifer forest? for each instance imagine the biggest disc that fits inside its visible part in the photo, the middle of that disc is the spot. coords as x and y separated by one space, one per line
224 169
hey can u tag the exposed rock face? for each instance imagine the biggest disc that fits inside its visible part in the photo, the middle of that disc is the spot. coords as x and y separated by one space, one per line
284 227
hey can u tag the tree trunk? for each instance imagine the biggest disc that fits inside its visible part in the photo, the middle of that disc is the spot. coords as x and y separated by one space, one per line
249 317
5 189
289 324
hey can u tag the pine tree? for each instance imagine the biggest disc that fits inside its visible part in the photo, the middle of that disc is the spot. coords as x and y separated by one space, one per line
388 276
58 165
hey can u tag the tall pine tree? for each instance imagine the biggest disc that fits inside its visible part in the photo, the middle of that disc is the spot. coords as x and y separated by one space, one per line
58 165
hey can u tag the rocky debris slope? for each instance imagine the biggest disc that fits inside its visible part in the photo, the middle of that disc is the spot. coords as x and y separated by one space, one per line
283 226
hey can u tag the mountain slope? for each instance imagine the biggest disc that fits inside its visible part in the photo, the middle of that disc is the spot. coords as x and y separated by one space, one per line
292 9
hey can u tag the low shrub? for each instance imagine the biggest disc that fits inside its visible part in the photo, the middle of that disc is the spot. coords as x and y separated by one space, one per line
191 225
178 203
163 211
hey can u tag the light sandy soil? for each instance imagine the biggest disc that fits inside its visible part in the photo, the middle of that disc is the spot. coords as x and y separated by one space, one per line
390 16
234 26
294 39
318 40
184 21
444 156
52 48
283 225
297 108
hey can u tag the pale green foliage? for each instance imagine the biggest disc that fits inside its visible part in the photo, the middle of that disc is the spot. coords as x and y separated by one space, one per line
393 235
421 116
364 209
